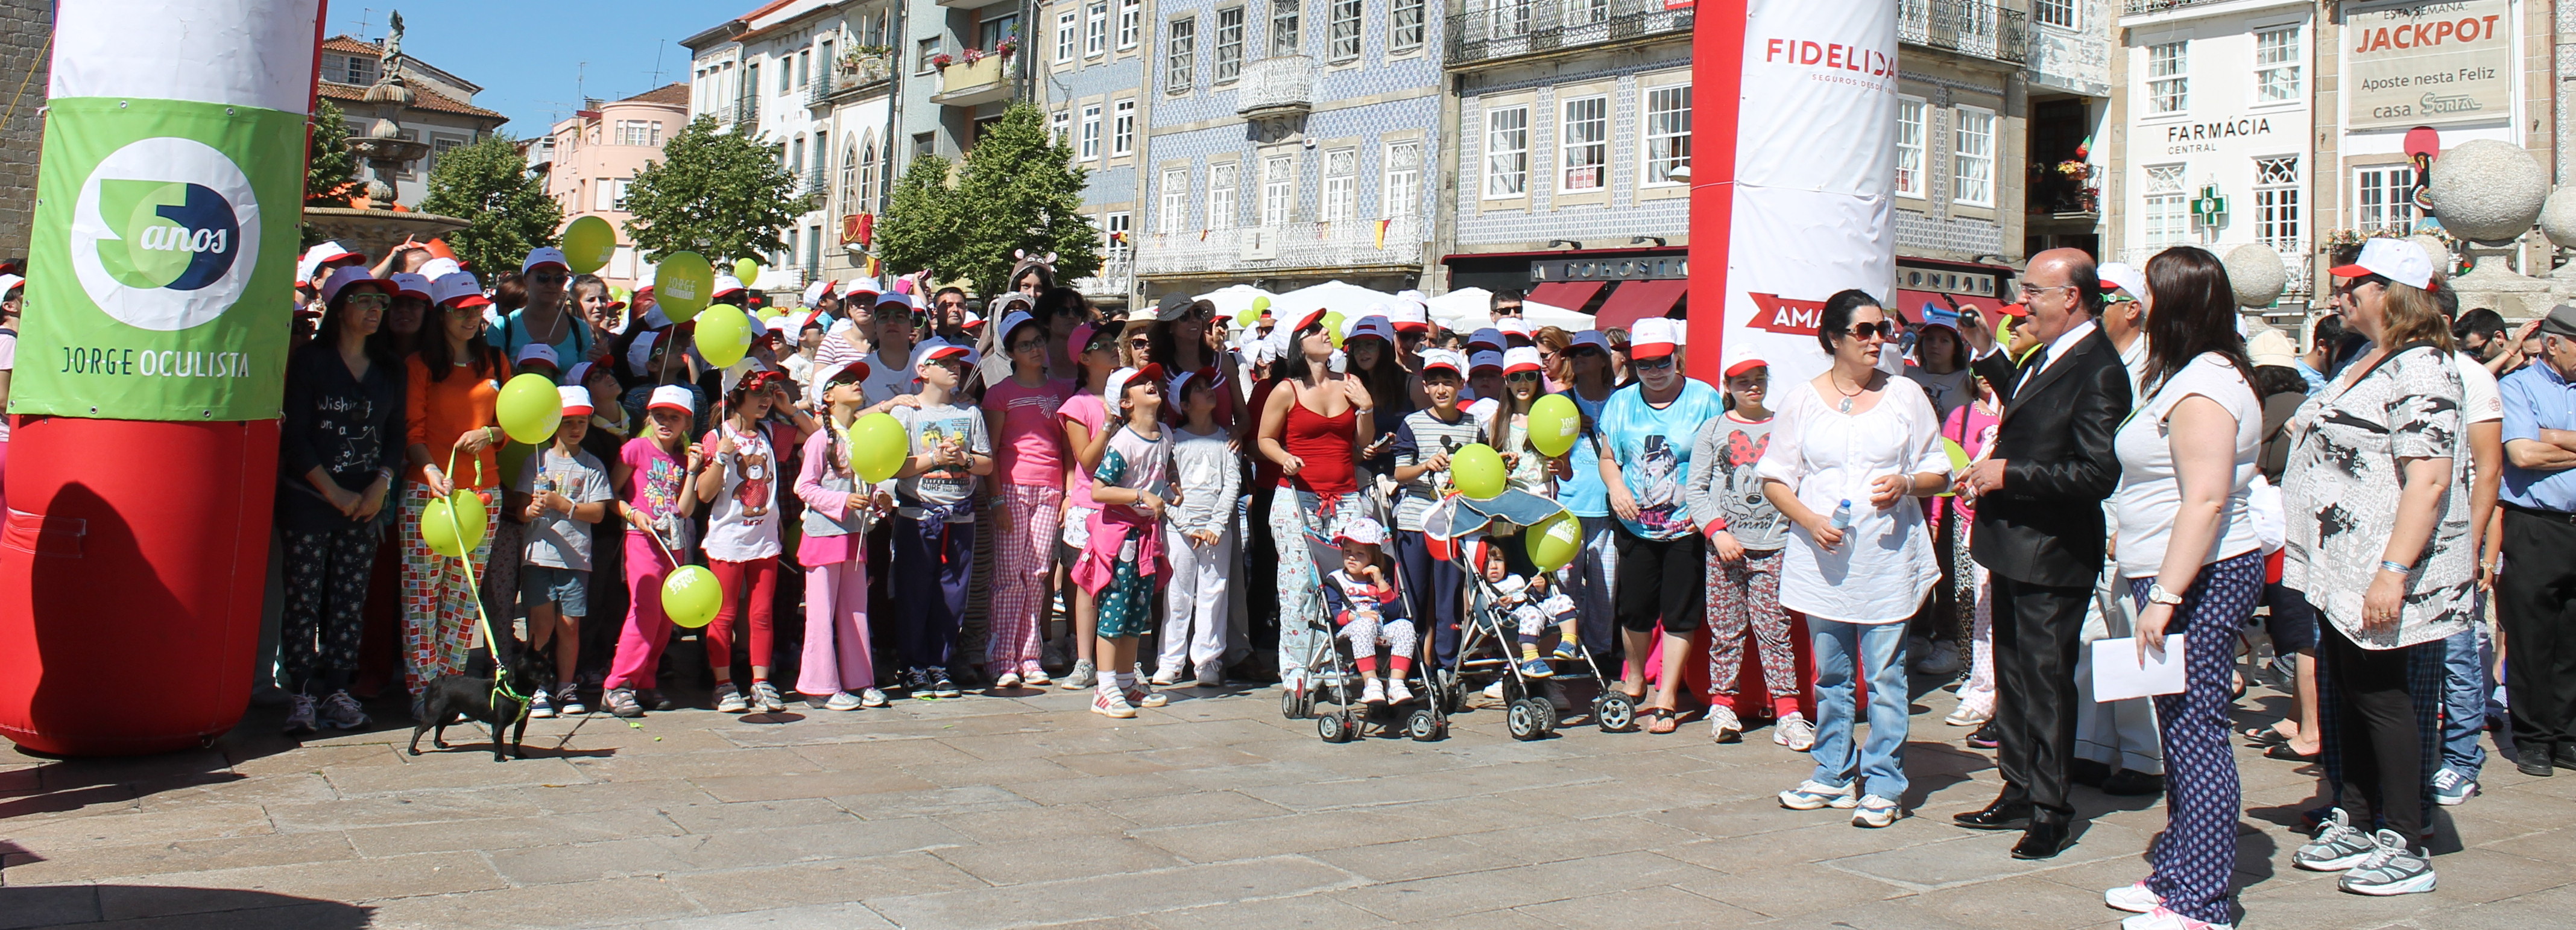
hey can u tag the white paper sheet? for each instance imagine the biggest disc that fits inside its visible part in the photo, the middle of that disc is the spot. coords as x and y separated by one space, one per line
2118 676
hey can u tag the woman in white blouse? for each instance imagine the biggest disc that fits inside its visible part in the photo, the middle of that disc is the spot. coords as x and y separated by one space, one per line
1845 454
2191 553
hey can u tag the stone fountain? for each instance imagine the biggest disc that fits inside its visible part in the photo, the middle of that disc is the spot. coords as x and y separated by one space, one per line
378 228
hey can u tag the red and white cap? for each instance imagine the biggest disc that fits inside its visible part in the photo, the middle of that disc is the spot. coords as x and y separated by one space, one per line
1369 327
2399 260
936 349
458 290
1410 315
344 276
814 292
437 268
1310 318
829 373
1443 358
325 251
537 352
1172 392
1484 359
10 282
1520 359
1486 338
673 397
1513 326
1744 362
1654 337
726 284
2123 276
1115 388
407 284
575 398
1362 530
856 286
542 256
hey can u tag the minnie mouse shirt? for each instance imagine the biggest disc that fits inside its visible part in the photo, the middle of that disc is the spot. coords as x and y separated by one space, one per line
1724 487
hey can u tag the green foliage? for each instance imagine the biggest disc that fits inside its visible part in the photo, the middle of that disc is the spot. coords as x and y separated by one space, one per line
717 194
1019 190
489 185
917 231
331 165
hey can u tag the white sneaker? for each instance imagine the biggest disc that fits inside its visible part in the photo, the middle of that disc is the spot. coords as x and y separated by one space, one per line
842 700
2161 919
1007 681
1723 725
1874 812
1494 692
1147 697
730 701
1374 692
1396 692
2135 899
1810 795
539 706
299 717
1794 732
1110 703
872 698
1941 660
1164 678
1966 716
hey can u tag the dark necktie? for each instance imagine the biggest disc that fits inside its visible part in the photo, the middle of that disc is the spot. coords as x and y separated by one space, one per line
2038 360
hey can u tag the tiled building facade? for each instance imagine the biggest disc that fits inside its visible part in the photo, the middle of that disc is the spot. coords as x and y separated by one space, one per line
1093 58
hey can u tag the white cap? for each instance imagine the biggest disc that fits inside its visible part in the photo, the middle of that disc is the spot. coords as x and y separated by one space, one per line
575 400
2399 260
891 297
409 284
1362 530
780 325
855 285
544 255
537 352
675 396
725 284
640 352
325 251
2124 276
1654 337
1522 358
814 292
936 348
10 282
437 268
460 288
1443 358
342 277
1172 388
1513 326
579 372
1410 315
1115 388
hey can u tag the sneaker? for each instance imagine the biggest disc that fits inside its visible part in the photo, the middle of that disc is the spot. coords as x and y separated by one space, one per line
766 699
621 702
1373 693
2394 867
729 699
872 698
2161 919
541 706
654 699
915 682
1796 733
941 687
299 720
842 700
1084 675
1984 737
1567 652
1941 660
340 712
1396 692
1006 681
568 700
1211 675
2450 788
1966 716
1723 725
1110 703
1146 697
1874 812
1810 795
2336 846
1535 667
1037 678
1164 678
1494 692
2135 899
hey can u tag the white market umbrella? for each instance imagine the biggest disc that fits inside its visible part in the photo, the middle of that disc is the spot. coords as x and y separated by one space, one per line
1469 309
1232 300
1350 300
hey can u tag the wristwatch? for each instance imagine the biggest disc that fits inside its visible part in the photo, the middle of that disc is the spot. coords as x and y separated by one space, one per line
2156 594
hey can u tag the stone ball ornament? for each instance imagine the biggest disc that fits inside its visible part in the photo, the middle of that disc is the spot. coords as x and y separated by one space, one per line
2487 190
2257 273
2558 218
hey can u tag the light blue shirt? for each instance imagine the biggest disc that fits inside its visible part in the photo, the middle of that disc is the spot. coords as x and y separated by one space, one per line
2537 398
1653 448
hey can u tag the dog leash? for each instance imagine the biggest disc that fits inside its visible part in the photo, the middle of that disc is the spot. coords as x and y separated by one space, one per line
482 617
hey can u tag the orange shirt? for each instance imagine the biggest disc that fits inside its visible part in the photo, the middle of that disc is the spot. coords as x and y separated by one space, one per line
444 410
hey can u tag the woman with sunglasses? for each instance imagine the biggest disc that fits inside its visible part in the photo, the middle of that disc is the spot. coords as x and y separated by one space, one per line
1312 427
338 450
1846 451
1646 437
1524 381
1180 336
546 318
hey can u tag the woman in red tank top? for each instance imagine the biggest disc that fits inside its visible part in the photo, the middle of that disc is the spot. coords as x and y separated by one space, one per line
1312 427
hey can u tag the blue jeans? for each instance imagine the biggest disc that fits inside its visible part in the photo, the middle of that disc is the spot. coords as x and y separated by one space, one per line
1880 761
2464 701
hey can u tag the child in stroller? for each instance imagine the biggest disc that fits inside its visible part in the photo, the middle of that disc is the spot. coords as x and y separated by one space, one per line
1531 603
1369 610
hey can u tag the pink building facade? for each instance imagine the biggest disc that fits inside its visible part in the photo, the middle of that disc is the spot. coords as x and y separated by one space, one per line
589 159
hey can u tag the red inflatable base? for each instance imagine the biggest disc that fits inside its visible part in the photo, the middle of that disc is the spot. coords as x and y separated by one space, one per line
134 557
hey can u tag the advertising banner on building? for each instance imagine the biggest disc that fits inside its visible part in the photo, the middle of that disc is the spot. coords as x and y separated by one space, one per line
168 214
2428 63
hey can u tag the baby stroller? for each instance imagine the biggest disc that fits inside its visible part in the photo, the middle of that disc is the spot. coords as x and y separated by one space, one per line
1489 631
1330 675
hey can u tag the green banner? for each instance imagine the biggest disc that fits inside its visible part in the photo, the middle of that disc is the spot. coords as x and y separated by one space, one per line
164 249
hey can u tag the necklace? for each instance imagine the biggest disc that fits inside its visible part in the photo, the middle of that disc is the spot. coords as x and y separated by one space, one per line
1836 380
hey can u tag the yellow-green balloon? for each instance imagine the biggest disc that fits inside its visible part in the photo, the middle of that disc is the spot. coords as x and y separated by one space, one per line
1333 327
529 409
691 596
746 269
1478 471
1554 542
454 526
681 285
878 447
1260 303
1553 423
724 334
588 243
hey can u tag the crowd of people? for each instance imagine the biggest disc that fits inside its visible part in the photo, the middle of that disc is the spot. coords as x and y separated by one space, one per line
1122 503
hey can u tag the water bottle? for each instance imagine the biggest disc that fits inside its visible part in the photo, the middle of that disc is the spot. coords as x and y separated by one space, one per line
1843 516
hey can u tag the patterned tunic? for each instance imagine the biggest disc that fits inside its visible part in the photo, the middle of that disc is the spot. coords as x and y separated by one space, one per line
2342 488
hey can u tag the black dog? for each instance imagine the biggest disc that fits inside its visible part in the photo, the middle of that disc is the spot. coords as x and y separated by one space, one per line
522 669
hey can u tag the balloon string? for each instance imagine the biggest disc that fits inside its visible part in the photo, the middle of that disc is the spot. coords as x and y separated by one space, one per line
482 617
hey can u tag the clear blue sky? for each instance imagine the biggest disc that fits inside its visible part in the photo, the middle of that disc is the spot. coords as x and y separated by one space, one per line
530 66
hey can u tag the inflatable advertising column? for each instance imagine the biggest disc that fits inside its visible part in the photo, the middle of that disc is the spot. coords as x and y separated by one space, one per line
150 367
1793 163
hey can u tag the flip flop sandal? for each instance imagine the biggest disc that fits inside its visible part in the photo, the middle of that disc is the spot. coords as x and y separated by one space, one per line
2262 737
1660 720
2284 753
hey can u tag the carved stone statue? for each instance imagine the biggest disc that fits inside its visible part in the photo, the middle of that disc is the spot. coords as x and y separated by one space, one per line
392 48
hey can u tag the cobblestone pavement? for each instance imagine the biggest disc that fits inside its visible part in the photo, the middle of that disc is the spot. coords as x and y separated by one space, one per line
1213 812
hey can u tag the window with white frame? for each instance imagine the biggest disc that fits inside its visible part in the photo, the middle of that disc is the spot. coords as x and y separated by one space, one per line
2168 213
2168 78
1584 134
2276 202
2384 198
1095 30
639 132
1586 12
1175 205
612 193
1341 185
871 178
1972 158
2060 13
1229 44
355 69
1668 133
2276 65
1060 122
1122 128
1344 31
1507 18
1404 26
1284 26
1278 189
1131 24
1181 55
1909 147
1090 132
1506 152
1114 235
923 51
1067 30
1401 191
1221 195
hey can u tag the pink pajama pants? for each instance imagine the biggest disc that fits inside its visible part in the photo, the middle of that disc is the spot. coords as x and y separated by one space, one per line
647 630
836 656
1021 559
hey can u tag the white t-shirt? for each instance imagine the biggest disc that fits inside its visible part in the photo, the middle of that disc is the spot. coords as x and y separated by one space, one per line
2479 401
888 378
9 363
742 524
2150 494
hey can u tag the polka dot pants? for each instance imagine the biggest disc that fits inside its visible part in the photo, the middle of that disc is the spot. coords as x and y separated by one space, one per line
2195 859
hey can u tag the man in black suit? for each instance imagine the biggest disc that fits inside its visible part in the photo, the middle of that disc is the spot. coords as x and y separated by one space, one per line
2039 531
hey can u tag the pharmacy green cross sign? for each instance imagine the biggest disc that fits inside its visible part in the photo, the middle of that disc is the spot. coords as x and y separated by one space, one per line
2208 207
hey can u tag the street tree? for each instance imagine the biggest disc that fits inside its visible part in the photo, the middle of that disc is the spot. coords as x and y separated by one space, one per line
488 184
718 194
917 232
1020 190
332 170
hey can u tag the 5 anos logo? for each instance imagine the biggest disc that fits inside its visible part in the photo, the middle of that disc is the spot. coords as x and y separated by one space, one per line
159 232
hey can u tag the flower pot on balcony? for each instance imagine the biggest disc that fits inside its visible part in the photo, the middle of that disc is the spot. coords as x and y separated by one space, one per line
966 83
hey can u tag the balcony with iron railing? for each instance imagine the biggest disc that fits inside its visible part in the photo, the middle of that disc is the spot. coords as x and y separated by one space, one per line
2145 7
1282 85
849 78
1494 30
813 186
746 110
1968 27
1251 250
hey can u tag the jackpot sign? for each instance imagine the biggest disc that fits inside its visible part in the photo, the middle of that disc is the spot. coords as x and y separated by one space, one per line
2429 63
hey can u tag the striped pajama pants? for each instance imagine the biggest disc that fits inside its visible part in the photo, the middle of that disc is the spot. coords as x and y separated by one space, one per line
438 603
2195 859
1021 559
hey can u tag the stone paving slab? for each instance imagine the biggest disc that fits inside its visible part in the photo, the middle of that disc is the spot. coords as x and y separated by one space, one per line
1211 813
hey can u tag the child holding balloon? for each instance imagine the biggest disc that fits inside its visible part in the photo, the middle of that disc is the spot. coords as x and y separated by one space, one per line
740 483
838 511
651 477
560 492
1423 445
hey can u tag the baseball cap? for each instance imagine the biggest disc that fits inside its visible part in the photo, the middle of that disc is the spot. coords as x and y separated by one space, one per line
935 348
1183 379
340 280
814 292
829 374
2270 347
1484 359
2124 276
1744 362
1488 336
856 286
640 352
673 397
576 400
437 268
2399 260
2561 321
1521 358
1514 326
1371 327
1653 337
2014 310
903 300
458 290
407 284
10 282
1361 530
1443 358
1590 338
326 251
1011 322
537 352
779 325
1176 305
726 284
1410 315
1309 318
1115 388
544 255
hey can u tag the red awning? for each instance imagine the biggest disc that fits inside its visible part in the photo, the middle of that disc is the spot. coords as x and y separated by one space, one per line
1571 295
1637 300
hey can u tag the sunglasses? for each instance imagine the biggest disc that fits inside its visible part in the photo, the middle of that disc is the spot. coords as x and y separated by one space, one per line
1521 376
1140 343
1653 364
550 277
1870 330
1026 345
367 302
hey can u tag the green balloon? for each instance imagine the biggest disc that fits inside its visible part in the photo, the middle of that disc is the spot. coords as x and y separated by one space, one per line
691 596
1260 303
681 285
1478 471
1554 542
530 409
1553 423
724 334
588 243
1333 327
878 447
747 270
454 526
